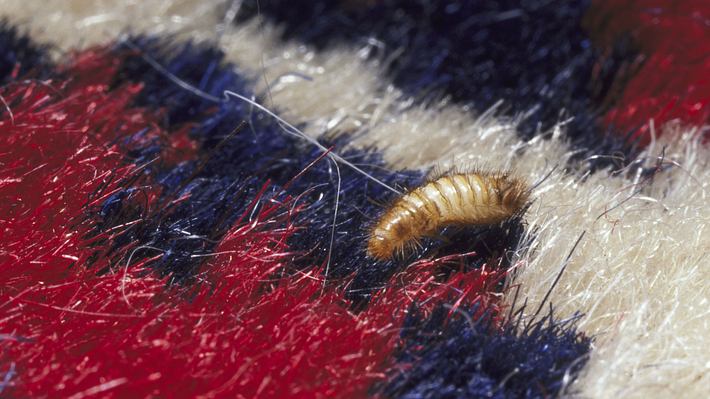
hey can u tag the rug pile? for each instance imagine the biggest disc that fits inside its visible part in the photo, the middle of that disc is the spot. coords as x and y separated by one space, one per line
189 187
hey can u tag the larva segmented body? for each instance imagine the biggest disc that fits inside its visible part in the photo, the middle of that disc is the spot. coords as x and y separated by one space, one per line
455 199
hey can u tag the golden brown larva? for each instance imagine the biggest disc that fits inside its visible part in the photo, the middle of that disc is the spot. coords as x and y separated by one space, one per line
454 199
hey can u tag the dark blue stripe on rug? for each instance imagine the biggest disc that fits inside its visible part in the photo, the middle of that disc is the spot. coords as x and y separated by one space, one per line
228 174
459 357
21 56
532 54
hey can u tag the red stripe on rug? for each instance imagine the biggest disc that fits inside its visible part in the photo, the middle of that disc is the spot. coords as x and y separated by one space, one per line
61 158
672 80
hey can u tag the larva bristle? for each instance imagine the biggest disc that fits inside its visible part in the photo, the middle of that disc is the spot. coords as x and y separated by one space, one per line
454 199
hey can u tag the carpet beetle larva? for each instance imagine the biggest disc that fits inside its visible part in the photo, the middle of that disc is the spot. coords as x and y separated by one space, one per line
453 199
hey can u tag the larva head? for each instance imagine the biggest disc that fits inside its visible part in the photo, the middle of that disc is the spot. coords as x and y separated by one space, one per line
379 246
388 239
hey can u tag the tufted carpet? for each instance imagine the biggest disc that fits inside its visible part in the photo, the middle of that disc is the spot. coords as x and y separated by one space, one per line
188 188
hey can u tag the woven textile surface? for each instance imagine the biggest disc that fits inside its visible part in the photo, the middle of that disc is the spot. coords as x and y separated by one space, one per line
189 189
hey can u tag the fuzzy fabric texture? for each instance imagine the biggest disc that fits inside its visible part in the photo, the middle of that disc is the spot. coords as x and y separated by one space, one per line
173 228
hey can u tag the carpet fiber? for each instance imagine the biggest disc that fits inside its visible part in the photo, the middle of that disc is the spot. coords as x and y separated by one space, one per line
189 188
